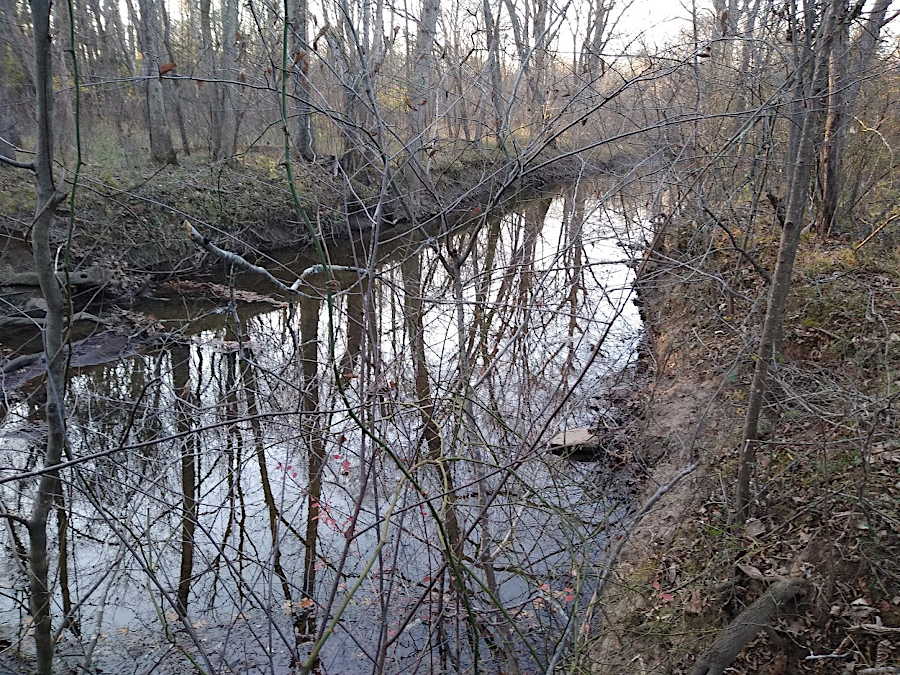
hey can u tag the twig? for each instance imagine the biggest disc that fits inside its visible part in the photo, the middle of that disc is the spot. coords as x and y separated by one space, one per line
875 231
760 270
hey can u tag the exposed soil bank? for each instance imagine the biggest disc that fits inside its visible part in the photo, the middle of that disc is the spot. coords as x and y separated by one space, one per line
826 488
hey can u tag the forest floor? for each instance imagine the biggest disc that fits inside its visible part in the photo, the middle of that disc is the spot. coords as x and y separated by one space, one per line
827 485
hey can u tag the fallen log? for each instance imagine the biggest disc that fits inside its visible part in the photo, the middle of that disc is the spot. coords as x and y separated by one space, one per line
747 626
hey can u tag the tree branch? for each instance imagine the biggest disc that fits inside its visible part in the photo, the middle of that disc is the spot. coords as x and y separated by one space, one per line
243 263
17 519
18 165
760 270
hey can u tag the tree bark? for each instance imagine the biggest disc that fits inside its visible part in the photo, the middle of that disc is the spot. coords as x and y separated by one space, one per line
841 97
418 95
211 89
303 130
495 89
181 384
746 626
161 149
47 200
309 403
229 123
175 88
9 135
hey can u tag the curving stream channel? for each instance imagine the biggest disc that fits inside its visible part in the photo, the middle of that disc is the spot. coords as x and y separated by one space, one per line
360 476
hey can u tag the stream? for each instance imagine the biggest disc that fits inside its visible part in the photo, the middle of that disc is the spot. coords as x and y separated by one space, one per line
363 472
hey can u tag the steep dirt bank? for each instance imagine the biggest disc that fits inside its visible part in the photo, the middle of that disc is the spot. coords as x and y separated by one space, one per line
826 487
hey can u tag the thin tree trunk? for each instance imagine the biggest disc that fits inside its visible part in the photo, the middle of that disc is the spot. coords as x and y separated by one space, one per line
303 131
175 84
418 95
841 97
229 122
309 403
413 311
9 134
251 388
181 384
62 543
770 339
47 200
493 65
211 89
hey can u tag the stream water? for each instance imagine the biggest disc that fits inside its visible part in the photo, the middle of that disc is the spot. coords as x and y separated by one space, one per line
363 472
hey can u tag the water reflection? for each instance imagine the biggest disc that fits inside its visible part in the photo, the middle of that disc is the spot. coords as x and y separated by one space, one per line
361 476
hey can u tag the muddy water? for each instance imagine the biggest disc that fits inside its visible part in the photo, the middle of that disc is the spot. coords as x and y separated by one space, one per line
361 474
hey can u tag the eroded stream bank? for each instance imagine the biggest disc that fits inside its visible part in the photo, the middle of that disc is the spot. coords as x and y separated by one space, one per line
359 478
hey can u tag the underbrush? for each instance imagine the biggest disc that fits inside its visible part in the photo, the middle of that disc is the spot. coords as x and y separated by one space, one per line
827 485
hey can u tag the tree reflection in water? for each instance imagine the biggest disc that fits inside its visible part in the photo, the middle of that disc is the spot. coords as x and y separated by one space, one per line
363 480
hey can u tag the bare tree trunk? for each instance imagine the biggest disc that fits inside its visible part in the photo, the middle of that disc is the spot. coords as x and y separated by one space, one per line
770 339
413 312
597 35
47 200
174 90
251 387
62 544
229 122
303 131
181 384
117 34
418 95
208 64
9 134
161 149
493 66
11 21
309 403
841 97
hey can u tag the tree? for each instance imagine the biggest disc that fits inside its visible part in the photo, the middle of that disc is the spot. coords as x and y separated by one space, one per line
230 117
847 68
418 94
9 134
823 44
161 149
48 198
302 55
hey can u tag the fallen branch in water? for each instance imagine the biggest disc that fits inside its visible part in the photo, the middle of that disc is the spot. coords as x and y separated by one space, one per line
747 626
244 264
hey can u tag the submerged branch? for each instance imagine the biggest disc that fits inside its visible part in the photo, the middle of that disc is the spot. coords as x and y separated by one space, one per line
244 264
